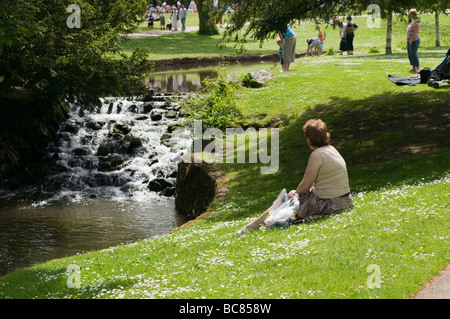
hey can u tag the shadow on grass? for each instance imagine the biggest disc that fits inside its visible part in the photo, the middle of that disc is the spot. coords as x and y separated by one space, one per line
390 139
387 141
424 52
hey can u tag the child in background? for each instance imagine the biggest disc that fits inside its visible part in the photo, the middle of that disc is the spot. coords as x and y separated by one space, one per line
313 46
280 50
320 36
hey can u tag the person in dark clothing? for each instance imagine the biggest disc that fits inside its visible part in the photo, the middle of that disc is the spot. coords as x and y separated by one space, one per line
350 28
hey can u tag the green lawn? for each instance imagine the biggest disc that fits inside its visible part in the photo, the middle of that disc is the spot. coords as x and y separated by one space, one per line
395 142
190 44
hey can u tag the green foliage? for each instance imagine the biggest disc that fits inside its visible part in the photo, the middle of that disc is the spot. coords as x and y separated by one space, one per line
216 106
206 18
43 56
248 81
263 20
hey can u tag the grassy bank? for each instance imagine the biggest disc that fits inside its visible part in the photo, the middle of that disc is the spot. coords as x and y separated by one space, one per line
395 141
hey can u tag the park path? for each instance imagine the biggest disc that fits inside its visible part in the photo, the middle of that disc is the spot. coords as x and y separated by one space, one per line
156 33
437 288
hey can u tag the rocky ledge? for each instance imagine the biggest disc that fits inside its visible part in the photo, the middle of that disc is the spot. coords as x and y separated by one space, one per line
197 185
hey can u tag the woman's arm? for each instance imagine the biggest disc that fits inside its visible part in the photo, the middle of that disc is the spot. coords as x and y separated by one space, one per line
416 31
281 37
312 169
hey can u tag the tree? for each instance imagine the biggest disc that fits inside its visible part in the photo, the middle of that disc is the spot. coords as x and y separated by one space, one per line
49 55
263 19
206 18
387 10
436 7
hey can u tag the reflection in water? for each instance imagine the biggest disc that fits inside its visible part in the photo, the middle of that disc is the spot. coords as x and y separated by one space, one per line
190 80
180 82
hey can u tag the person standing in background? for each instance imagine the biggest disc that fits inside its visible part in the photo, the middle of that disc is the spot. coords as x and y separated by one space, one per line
350 29
183 14
343 40
321 38
280 51
162 16
174 19
289 41
413 41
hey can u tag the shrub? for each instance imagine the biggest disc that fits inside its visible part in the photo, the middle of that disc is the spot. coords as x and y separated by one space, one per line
248 81
215 106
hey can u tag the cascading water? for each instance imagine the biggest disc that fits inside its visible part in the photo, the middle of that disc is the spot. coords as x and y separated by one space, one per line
121 151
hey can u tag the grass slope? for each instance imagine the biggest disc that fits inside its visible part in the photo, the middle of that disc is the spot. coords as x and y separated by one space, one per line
395 141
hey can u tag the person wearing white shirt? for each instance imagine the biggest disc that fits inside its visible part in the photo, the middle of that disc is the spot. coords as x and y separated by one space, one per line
183 14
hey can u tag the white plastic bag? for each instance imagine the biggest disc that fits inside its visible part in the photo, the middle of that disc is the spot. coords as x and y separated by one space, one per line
282 209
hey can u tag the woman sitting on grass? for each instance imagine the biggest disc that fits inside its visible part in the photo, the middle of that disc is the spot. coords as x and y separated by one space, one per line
324 189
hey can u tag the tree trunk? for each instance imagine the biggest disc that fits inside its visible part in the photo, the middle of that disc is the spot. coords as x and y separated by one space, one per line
389 33
205 18
436 24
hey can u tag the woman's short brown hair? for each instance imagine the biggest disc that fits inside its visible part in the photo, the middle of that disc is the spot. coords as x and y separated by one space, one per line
412 13
316 133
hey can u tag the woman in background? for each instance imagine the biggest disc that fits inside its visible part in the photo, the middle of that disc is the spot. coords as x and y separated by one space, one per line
413 41
289 41
174 19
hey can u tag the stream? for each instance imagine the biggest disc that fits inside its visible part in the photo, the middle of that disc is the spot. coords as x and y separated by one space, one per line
99 192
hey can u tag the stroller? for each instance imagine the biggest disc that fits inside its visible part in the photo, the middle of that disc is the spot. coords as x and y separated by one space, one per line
441 74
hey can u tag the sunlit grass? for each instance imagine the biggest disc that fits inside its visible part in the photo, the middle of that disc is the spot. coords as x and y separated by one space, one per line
395 142
327 80
403 230
190 44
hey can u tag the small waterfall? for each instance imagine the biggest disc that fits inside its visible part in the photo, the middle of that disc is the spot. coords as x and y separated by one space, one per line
111 182
126 149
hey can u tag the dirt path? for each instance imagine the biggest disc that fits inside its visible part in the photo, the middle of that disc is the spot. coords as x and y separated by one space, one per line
156 33
437 288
